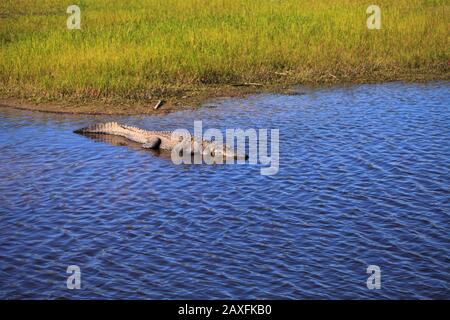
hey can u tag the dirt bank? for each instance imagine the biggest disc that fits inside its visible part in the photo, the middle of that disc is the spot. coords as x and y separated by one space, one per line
190 99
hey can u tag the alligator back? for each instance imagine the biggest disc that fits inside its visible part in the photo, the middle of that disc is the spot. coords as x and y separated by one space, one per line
160 139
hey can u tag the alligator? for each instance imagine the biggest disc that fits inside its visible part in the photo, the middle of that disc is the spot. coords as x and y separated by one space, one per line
163 140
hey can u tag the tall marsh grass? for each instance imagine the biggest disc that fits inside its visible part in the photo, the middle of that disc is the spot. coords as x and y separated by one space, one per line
135 48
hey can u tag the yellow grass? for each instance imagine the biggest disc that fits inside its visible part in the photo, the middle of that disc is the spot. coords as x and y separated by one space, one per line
139 48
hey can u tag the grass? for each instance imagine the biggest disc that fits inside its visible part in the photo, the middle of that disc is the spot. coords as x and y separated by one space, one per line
142 49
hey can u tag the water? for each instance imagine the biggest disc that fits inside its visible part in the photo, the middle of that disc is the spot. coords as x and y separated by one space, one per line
364 180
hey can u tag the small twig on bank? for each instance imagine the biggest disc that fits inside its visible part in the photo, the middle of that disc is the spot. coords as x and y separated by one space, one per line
248 84
159 104
333 75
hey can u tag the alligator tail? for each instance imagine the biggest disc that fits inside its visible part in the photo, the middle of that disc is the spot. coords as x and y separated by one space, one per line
99 128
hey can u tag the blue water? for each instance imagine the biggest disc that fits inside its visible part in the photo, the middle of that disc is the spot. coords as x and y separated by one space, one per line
364 180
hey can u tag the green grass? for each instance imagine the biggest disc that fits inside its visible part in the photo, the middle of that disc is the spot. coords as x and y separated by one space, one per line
136 48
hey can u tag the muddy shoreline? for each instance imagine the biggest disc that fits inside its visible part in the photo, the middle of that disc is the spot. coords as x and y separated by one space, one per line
172 103
192 99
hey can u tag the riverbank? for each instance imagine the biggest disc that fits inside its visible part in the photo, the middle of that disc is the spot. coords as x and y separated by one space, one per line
188 99
126 58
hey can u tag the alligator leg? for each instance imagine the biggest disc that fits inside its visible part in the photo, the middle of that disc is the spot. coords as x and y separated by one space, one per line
152 143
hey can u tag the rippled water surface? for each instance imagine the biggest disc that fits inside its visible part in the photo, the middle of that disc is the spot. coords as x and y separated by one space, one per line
364 180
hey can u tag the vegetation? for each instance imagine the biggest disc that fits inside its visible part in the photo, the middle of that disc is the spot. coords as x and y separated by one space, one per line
138 49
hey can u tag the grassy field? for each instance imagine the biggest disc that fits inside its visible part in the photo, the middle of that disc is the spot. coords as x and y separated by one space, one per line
137 50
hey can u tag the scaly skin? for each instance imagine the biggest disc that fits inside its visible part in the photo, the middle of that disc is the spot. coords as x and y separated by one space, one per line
160 139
